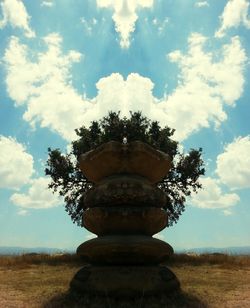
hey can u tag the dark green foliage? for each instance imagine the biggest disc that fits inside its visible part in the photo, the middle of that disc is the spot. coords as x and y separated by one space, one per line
114 128
72 185
181 180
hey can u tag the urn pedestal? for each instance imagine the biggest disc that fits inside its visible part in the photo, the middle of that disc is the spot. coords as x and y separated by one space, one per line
125 208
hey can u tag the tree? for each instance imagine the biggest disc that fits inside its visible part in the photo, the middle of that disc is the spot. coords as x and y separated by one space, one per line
68 180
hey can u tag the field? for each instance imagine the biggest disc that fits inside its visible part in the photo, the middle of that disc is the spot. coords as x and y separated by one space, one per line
43 280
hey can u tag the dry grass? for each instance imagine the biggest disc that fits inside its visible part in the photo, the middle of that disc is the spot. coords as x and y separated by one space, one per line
43 280
25 260
227 261
175 260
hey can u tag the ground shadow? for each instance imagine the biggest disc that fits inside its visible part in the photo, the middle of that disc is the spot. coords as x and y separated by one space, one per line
73 300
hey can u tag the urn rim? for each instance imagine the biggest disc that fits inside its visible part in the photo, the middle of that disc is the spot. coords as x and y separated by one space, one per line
113 158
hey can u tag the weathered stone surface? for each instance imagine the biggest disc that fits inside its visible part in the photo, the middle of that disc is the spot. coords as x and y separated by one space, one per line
125 281
125 190
125 220
125 250
124 208
132 158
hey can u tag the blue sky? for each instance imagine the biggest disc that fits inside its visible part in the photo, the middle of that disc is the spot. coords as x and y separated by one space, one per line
65 63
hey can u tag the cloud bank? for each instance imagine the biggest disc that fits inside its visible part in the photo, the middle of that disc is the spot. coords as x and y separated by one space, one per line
44 86
205 86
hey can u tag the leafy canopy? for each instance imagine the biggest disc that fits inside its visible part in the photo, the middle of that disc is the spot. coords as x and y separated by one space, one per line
68 180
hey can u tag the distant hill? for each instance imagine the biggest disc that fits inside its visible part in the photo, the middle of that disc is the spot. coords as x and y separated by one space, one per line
9 250
243 250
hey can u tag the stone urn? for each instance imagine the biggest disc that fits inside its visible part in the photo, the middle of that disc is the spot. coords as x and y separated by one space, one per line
125 208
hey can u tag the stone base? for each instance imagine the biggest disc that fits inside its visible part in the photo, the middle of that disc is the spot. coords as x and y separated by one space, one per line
125 281
125 220
125 250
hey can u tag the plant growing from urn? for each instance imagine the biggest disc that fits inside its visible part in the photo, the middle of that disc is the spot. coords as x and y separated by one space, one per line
125 185
72 184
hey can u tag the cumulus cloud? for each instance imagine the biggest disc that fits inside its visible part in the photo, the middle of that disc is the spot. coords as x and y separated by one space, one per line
15 14
204 87
125 16
233 170
235 13
16 165
45 86
118 94
233 165
201 3
205 84
38 196
212 196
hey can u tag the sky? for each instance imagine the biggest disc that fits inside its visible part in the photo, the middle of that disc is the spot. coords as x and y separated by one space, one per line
65 63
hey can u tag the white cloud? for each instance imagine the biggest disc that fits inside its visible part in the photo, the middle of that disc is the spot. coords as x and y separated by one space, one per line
201 4
233 169
47 3
212 196
125 16
16 165
134 93
235 13
233 166
45 85
38 196
14 13
205 84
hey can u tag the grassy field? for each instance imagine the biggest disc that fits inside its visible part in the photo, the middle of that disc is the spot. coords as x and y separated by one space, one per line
43 281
